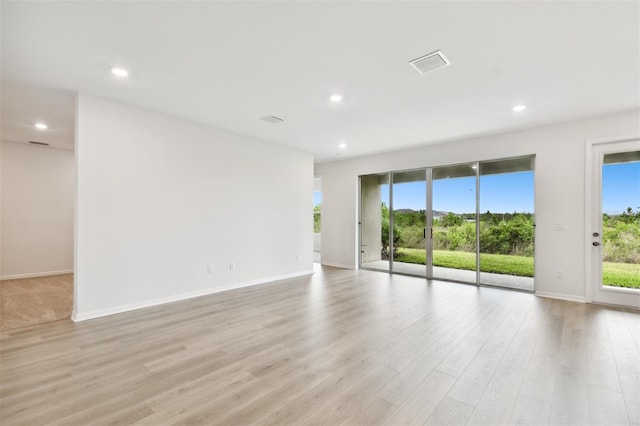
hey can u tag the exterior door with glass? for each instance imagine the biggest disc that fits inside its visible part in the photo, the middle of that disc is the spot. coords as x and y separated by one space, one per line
613 223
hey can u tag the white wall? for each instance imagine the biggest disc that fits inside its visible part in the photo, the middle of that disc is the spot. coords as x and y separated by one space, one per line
559 186
159 199
36 210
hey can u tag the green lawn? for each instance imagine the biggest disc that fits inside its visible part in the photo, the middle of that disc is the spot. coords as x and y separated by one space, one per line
621 274
617 274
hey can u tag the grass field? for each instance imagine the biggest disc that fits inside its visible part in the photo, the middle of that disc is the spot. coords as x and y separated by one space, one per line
615 274
621 274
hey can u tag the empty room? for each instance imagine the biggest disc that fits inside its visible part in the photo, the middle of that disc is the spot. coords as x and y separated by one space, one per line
320 212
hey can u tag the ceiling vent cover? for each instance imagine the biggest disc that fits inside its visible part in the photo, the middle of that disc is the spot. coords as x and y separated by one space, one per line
430 62
272 119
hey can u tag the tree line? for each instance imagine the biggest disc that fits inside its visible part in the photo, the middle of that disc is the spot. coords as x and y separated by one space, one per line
503 233
500 233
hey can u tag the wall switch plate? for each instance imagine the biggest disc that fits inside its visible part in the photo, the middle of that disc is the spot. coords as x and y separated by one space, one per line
298 257
232 266
210 269
559 226
559 274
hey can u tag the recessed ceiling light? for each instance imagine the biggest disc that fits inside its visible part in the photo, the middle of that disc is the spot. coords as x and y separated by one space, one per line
41 126
335 97
119 72
342 146
519 108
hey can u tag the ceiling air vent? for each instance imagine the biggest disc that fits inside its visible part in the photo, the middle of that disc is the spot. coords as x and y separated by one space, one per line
430 62
272 119
39 143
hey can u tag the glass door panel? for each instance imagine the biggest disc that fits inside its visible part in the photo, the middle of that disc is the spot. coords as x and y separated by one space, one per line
374 222
453 222
613 242
621 220
507 223
409 205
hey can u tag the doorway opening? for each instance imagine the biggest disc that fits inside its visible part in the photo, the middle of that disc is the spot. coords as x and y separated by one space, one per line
37 205
37 238
317 220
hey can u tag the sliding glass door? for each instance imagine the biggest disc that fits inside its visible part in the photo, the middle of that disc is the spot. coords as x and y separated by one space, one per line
470 222
506 223
453 222
409 214
374 222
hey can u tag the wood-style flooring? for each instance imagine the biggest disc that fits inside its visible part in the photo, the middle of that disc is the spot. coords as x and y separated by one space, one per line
339 347
30 301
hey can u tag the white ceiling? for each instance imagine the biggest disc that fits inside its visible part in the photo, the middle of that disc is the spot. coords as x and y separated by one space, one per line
226 64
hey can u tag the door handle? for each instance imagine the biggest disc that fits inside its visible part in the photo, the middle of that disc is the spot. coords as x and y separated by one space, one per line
595 244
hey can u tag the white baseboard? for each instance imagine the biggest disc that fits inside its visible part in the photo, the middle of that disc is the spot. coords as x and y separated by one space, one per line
76 317
35 275
337 265
561 296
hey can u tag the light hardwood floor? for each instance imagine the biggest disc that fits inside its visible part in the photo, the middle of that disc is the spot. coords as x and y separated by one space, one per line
340 347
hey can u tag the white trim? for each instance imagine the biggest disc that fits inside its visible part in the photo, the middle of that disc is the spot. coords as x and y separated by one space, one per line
338 265
35 275
613 305
560 296
588 217
620 289
76 317
629 137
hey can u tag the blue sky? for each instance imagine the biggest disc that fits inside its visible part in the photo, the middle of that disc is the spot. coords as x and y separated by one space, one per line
510 192
620 187
504 193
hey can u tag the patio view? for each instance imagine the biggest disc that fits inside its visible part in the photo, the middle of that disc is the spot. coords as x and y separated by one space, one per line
434 227
425 222
506 243
621 249
621 220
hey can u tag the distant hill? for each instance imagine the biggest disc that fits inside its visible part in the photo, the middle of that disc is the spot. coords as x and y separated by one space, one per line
436 213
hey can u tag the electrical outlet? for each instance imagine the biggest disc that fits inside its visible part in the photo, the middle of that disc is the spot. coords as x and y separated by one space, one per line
210 269
232 266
